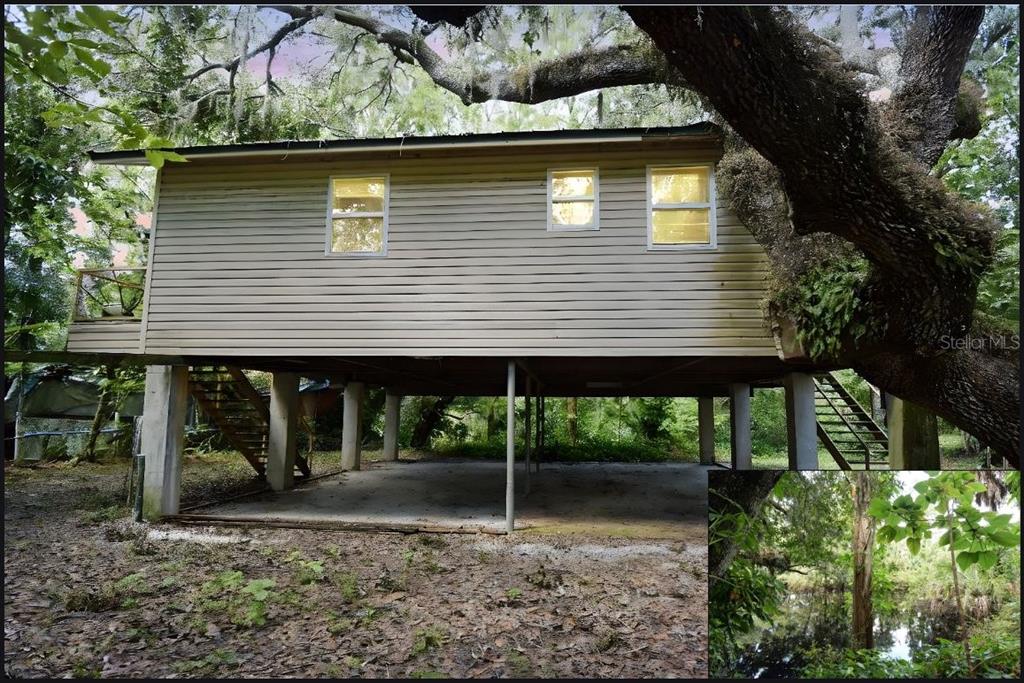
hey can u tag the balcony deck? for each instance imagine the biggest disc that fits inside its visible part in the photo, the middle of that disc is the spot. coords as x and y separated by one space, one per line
107 311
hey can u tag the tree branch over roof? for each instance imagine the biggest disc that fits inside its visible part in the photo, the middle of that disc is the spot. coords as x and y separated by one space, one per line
573 74
271 44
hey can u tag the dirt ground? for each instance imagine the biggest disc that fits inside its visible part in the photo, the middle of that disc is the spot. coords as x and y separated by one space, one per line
87 593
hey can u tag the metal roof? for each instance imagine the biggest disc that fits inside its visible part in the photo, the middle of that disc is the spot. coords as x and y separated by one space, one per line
285 148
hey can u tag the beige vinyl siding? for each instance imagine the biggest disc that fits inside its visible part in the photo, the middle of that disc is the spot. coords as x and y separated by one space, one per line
239 266
113 336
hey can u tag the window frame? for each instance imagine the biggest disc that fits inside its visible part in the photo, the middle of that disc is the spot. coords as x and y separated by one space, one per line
329 236
595 224
711 205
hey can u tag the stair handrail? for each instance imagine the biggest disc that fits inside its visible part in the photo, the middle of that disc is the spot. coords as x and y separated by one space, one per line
867 451
246 388
849 398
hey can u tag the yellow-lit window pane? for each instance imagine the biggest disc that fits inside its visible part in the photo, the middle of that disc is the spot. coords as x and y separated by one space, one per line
572 213
572 184
681 226
359 195
679 185
357 235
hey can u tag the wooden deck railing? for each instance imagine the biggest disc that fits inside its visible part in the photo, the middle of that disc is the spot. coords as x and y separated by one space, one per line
109 294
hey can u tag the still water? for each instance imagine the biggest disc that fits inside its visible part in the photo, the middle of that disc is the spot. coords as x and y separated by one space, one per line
823 620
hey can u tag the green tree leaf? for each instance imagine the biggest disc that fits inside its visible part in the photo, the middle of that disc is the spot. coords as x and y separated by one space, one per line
966 559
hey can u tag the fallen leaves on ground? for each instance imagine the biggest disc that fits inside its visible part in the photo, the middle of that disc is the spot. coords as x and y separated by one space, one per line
88 593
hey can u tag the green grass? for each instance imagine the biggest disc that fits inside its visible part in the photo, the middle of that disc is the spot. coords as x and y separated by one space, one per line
589 450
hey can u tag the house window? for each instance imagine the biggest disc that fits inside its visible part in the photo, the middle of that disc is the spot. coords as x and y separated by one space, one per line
572 199
357 223
681 207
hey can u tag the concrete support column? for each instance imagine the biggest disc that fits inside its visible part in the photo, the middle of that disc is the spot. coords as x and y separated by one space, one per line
284 419
392 419
351 427
706 429
913 436
528 436
801 422
510 448
163 435
739 426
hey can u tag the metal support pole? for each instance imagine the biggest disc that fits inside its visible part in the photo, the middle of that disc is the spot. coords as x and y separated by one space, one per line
528 436
510 448
542 426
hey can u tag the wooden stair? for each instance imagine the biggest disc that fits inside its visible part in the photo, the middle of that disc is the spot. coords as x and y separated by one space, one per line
232 403
846 429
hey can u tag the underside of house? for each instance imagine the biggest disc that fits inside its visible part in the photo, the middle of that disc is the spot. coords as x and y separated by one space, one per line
556 264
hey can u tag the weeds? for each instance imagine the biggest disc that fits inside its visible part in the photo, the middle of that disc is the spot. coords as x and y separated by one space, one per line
368 615
309 571
306 571
387 583
431 541
426 639
208 664
519 666
245 603
348 586
607 641
428 562
81 669
541 579
122 594
337 624
105 514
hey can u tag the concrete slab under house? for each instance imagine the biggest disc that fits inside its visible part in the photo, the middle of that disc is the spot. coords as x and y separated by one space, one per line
531 265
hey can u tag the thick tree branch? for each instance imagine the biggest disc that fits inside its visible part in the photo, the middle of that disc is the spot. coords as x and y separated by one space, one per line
580 72
971 388
456 15
271 44
847 171
925 104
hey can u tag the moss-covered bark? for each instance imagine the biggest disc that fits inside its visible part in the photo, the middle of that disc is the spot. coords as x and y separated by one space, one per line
876 260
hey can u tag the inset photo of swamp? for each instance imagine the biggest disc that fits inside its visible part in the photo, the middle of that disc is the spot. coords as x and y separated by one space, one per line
869 574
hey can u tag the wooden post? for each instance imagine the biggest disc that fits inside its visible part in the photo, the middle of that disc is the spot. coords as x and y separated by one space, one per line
739 425
281 442
913 437
392 420
510 448
706 429
528 436
351 436
165 403
801 422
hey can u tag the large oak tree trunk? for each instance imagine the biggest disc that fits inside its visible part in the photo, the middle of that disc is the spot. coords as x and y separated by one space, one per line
735 492
429 421
860 172
863 556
